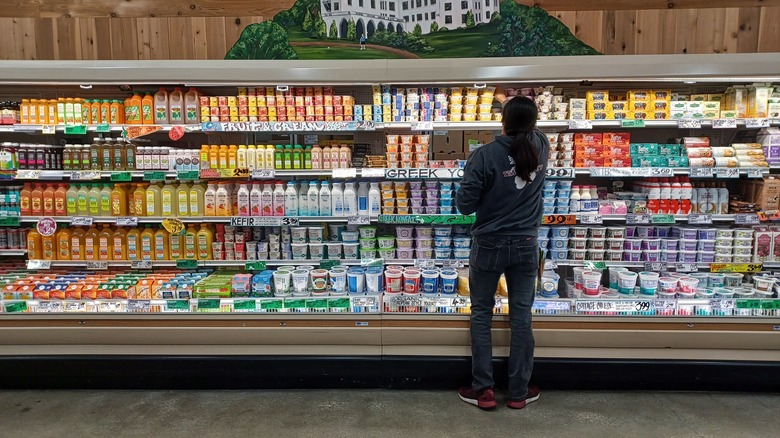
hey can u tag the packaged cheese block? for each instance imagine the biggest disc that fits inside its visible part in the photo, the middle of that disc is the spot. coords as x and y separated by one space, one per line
598 105
658 115
661 94
598 115
578 104
726 162
617 115
621 105
587 138
639 105
701 162
747 146
690 142
639 115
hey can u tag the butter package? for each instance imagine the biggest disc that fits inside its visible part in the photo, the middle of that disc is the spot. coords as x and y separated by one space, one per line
728 114
616 138
597 96
678 106
644 149
621 105
598 106
617 115
578 104
710 114
617 161
715 97
659 115
646 161
661 95
698 97
711 106
635 95
616 151
669 149
589 162
589 150
679 161
583 138
661 105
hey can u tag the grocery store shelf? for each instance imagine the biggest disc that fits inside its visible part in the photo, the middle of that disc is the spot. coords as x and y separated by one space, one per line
192 219
38 129
619 172
13 252
243 263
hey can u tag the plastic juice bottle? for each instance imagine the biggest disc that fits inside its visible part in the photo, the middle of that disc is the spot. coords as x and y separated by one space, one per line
133 244
136 103
223 156
244 204
147 243
139 200
278 199
43 111
241 161
326 203
232 157
183 199
270 156
313 197
223 203
191 106
36 200
95 154
105 243
63 244
116 112
210 201
60 110
61 201
213 157
34 249
52 106
197 199
86 158
162 245
204 239
105 111
287 157
93 200
153 200
91 112
82 201
25 200
260 158
78 114
297 157
307 160
48 200
33 111
91 244
190 243
119 155
48 248
77 244
105 200
161 107
106 155
119 244
176 106
168 198
278 157
205 163
24 110
267 200
119 200
251 157
131 159
147 109
176 246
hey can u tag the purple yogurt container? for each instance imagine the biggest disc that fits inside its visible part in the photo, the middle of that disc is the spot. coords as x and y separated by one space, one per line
651 256
651 244
632 245
632 256
687 244
669 244
706 245
686 256
707 233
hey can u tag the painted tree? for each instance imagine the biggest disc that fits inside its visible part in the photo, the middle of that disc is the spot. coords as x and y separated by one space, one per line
308 21
351 30
320 29
470 19
334 32
418 29
266 40
434 27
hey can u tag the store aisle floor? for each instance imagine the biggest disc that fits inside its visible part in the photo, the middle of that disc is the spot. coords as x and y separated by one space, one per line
380 413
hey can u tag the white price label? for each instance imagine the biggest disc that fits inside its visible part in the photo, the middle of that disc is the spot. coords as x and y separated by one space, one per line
97 265
686 267
38 264
77 175
700 219
701 172
290 221
756 123
345 173
638 219
550 265
661 171
364 301
724 123
74 306
263 174
127 221
358 220
141 264
453 263
723 304
560 172
591 219
580 124
424 263
731 172
422 126
665 305
460 302
109 307
256 221
49 129
138 305
369 172
747 219
600 171
689 123
50 307
81 221
756 173
28 174
655 266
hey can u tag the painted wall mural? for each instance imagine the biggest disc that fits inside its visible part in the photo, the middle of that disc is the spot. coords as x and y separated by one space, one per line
382 29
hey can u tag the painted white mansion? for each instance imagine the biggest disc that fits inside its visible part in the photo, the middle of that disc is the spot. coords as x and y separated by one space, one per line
403 15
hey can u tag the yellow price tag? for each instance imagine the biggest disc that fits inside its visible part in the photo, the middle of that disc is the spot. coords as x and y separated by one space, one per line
173 225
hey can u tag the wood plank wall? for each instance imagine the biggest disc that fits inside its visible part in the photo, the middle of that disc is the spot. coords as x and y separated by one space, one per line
206 29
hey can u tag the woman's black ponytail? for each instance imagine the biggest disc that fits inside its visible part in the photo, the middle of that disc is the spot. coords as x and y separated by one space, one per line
519 120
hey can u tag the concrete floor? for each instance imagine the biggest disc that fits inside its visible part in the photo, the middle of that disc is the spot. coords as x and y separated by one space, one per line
381 413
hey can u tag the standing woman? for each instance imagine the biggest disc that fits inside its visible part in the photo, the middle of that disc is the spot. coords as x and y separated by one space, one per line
503 184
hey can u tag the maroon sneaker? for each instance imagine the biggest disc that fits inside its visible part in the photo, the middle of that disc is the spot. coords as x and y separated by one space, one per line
532 396
485 399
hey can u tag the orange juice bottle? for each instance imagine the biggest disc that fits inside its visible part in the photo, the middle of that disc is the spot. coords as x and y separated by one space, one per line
135 109
24 110
36 200
191 243
77 244
63 244
60 110
52 112
48 200
119 246
116 113
139 199
147 107
128 102
214 157
61 201
94 111
232 157
48 248
78 113
34 249
70 118
223 156
105 241
162 244
119 200
33 110
147 243
86 112
105 111
134 244
43 112
204 239
25 200
91 244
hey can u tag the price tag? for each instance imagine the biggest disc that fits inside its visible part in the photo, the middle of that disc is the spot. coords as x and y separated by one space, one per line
255 266
290 221
731 172
121 176
127 221
665 306
154 176
422 126
103 127
345 173
723 304
700 219
364 301
689 123
637 219
724 123
141 264
75 130
661 171
686 267
457 264
82 175
550 265
559 219
756 123
736 267
177 305
28 174
173 225
16 307
48 129
748 304
756 173
746 219
109 307
662 219
560 172
187 264
51 306
639 123
263 174
209 304
358 220
580 124
655 266
81 221
294 304
425 264
38 264
9 221
369 172
74 306
244 305
271 304
371 262
770 304
138 306
188 175
701 172
256 221
97 265
316 303
591 219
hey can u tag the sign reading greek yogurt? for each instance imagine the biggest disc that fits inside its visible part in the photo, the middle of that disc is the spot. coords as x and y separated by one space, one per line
442 173
370 172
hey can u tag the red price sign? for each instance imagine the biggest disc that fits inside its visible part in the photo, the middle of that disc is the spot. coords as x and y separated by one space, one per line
559 219
176 133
